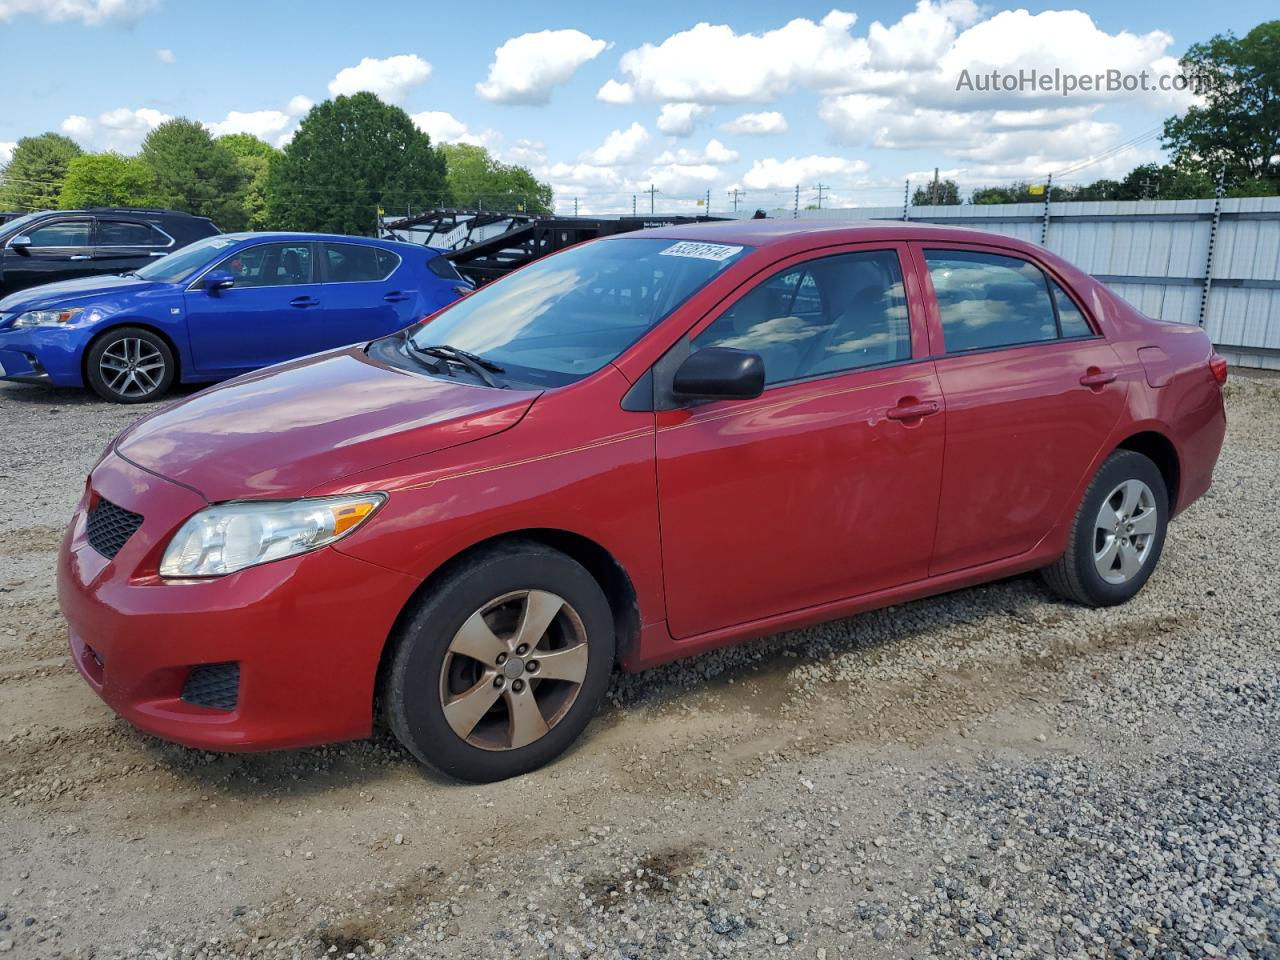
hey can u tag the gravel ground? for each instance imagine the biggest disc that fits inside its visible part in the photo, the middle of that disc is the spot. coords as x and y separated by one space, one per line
992 773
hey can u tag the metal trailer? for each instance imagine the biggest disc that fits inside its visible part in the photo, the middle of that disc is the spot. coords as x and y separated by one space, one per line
486 245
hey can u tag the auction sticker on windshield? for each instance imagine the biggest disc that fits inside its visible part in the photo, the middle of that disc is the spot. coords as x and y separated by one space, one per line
701 251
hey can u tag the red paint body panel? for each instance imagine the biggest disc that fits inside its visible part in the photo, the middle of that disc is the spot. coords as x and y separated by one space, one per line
306 631
730 519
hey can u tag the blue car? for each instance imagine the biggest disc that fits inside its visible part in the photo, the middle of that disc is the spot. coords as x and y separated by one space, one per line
219 307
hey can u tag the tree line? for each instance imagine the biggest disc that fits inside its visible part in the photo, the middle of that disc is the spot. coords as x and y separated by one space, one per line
351 157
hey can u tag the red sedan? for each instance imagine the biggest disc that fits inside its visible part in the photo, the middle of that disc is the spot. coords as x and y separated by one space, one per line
638 449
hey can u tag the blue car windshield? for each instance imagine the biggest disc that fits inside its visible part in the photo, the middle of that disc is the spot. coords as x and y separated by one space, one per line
181 264
564 317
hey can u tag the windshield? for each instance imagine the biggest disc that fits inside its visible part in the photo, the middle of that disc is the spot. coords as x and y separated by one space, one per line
178 265
15 225
562 318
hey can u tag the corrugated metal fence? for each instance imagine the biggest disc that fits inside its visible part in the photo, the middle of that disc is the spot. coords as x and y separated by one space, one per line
1216 263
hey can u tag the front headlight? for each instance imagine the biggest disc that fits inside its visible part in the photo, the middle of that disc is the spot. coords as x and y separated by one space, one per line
52 318
231 536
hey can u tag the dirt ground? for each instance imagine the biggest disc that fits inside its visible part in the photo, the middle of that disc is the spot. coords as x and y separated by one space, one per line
836 792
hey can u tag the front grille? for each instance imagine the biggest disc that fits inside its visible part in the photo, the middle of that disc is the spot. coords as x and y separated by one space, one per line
215 685
109 527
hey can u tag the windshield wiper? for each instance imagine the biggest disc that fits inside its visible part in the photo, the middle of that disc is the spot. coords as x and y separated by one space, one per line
447 354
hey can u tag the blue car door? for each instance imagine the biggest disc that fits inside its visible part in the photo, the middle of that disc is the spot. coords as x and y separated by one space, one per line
273 312
369 292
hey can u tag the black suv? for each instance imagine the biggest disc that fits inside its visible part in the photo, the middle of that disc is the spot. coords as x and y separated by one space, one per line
62 244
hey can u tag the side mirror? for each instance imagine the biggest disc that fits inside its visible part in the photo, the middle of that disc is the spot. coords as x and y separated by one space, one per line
20 242
216 281
719 373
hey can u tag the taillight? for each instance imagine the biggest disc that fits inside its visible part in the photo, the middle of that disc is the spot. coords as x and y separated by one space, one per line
1218 367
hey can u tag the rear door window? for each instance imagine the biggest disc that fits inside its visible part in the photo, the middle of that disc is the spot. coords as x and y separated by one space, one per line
125 233
356 263
987 300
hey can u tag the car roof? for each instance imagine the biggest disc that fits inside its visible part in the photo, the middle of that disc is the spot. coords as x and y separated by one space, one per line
302 235
804 233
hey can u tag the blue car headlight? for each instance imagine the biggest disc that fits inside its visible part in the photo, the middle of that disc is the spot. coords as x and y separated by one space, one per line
55 318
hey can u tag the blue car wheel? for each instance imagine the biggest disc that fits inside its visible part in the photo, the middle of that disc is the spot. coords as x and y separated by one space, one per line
130 365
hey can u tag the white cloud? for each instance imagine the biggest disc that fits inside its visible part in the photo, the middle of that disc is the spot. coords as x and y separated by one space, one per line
682 178
165 55
679 119
713 64
525 153
773 174
444 127
618 94
390 78
6 151
273 126
713 152
121 129
619 147
757 124
298 105
89 12
527 67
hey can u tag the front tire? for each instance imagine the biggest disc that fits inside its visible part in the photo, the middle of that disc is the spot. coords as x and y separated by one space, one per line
130 365
1117 536
501 666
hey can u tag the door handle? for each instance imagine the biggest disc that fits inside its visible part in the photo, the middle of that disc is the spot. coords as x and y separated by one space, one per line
304 302
157 253
1096 377
913 411
395 296
80 256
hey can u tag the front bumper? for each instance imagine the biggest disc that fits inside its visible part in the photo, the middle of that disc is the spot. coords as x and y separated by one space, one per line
305 634
46 355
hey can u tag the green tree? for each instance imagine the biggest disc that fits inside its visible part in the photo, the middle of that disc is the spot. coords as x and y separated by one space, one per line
108 180
350 156
943 193
255 158
194 173
1019 192
32 179
478 181
1238 126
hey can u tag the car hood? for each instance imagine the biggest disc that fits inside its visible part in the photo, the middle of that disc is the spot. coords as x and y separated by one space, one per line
83 289
284 430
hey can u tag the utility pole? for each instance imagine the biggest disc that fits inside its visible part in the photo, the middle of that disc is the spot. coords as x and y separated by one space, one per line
822 188
652 191
795 210
933 188
736 193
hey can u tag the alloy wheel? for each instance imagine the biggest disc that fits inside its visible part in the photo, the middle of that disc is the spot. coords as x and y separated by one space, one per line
132 367
1125 531
513 670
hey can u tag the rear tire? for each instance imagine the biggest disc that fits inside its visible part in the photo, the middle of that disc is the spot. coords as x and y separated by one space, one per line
1117 535
130 365
501 666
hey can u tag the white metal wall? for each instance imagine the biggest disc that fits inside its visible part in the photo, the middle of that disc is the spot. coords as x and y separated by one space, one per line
1154 253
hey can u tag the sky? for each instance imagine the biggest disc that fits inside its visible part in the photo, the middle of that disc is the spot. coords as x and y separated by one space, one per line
606 100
